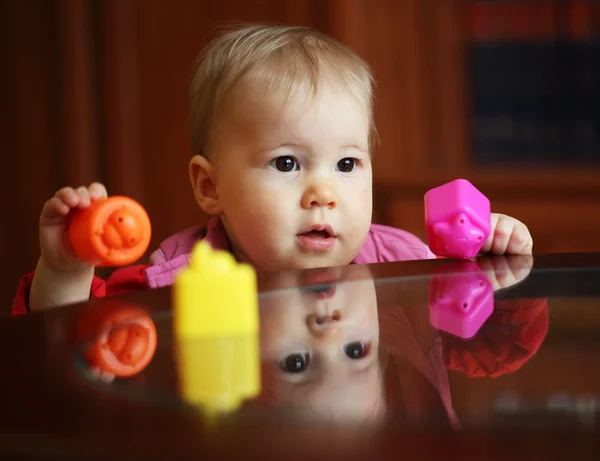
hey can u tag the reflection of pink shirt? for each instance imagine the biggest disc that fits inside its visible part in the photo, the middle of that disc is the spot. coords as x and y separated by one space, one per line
511 336
383 244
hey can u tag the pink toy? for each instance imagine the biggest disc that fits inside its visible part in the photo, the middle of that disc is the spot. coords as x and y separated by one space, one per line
461 299
457 219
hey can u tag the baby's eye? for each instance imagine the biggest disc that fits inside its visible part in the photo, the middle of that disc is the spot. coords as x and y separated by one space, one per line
346 165
357 350
285 164
294 363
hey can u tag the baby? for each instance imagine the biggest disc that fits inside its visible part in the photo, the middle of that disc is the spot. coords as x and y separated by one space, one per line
281 125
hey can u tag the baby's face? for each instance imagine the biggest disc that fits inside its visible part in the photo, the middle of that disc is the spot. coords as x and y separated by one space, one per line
294 178
324 345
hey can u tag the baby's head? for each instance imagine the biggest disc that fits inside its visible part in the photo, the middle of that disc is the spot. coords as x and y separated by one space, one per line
282 127
320 346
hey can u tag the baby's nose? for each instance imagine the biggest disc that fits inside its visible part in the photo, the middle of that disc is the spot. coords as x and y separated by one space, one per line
323 324
322 194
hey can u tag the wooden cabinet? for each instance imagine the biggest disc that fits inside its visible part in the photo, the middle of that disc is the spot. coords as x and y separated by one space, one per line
418 51
96 90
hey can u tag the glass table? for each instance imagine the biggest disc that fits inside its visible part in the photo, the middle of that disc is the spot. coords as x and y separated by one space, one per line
493 343
491 359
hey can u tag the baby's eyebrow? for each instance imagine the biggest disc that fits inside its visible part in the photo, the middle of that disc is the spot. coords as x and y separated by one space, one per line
356 146
294 145
362 371
302 146
272 147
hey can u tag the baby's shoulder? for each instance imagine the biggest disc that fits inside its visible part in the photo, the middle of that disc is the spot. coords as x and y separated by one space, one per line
387 244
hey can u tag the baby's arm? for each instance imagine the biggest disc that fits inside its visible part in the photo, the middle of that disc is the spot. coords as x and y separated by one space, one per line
51 288
61 277
508 339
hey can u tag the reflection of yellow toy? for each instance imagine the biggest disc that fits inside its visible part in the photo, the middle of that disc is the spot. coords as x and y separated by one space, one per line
216 328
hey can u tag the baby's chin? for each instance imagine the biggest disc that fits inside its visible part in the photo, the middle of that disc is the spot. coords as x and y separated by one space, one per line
301 262
292 259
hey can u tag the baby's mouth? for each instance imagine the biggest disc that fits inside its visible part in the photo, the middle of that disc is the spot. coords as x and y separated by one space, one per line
320 279
316 234
322 291
319 231
319 238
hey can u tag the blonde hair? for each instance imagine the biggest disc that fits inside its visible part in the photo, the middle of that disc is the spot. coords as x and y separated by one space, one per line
288 58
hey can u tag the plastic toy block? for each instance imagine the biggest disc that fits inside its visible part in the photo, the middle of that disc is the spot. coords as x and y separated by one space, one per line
461 299
218 374
215 296
122 337
457 219
114 231
216 326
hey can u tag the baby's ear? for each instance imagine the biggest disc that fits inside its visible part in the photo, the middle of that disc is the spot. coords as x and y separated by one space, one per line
201 176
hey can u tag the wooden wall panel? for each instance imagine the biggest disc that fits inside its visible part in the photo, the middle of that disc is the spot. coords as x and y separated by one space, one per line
414 48
393 52
117 79
450 85
78 112
46 142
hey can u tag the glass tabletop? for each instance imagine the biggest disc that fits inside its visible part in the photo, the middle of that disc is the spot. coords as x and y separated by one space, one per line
489 343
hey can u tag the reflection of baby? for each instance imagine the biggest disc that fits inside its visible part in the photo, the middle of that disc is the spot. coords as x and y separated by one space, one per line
320 346
322 356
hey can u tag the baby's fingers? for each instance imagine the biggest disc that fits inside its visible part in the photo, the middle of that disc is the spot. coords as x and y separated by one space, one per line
97 191
487 246
54 212
506 271
502 235
82 196
74 198
508 236
66 199
55 207
68 196
520 242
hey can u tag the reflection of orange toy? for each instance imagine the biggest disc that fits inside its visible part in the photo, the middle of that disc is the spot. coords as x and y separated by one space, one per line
123 338
111 232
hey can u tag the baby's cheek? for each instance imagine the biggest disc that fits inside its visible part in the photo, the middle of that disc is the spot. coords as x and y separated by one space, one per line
359 195
359 219
365 196
269 321
267 342
257 210
259 199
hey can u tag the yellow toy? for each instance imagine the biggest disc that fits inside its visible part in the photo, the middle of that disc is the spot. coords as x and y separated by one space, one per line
216 328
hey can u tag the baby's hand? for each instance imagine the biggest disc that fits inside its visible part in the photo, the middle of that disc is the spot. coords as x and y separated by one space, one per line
508 236
56 250
506 271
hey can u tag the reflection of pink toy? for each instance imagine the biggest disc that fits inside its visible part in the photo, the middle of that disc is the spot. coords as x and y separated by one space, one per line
457 219
461 298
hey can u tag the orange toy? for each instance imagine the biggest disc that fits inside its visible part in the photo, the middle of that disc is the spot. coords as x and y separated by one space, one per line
111 232
124 338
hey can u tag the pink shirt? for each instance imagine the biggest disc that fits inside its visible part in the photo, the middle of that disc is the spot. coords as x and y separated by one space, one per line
383 244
